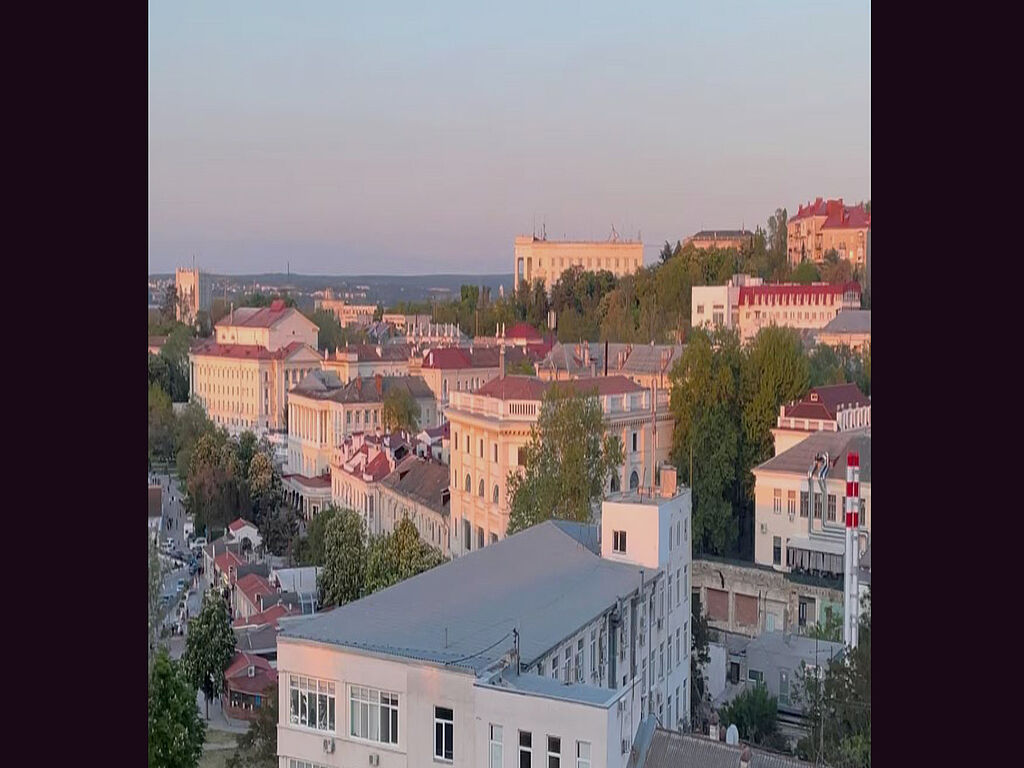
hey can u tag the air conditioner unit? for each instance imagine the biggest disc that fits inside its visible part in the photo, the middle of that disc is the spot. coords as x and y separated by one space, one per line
328 746
374 759
764 528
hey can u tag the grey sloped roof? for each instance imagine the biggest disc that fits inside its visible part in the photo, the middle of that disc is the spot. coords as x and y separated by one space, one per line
800 457
318 383
850 321
647 358
542 581
659 748
420 480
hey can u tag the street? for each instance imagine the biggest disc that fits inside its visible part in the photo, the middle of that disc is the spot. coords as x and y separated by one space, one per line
172 524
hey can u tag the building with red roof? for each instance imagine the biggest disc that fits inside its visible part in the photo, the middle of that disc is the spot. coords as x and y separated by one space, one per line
464 369
249 593
242 375
248 681
491 427
830 408
795 305
358 466
825 225
369 360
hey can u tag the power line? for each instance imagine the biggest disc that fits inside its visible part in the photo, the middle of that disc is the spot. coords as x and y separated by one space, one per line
485 650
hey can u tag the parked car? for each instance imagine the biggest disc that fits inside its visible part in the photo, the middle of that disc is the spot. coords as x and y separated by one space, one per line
198 543
181 584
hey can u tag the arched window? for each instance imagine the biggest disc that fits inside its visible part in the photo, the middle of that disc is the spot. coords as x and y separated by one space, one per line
481 491
469 483
634 480
495 493
615 482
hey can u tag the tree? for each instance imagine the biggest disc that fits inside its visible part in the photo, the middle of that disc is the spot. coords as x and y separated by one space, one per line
831 630
309 550
700 655
190 425
522 367
209 648
341 581
567 461
257 747
154 598
838 271
169 306
246 447
216 485
279 529
754 712
805 273
161 424
400 410
331 335
395 556
707 436
176 732
837 704
777 238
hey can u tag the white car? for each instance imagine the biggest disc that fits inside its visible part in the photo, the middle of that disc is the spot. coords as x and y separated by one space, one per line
198 543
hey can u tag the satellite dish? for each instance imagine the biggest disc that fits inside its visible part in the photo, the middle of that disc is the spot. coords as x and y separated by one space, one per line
732 735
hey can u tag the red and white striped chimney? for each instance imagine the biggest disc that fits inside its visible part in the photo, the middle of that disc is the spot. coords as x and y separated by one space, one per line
852 613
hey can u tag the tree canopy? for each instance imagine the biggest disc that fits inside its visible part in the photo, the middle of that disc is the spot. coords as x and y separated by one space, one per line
176 732
257 747
341 580
400 410
394 557
209 648
216 483
567 462
754 712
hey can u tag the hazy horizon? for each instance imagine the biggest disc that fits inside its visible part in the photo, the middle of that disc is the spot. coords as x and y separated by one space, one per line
416 140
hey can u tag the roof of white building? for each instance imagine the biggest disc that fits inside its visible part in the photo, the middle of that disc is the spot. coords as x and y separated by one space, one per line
800 457
546 581
850 321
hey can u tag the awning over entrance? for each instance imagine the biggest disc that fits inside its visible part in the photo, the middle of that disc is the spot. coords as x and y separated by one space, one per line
815 555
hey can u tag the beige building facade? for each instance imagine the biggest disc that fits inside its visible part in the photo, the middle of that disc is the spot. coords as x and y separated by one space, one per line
193 291
417 490
490 428
793 305
825 225
447 370
720 238
348 314
546 260
366 360
242 376
719 305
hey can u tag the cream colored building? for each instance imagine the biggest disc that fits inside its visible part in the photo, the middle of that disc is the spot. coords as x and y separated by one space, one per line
347 314
358 466
323 410
546 649
719 305
417 489
461 369
826 225
850 328
793 305
798 524
367 360
242 376
193 290
831 408
720 238
546 260
491 426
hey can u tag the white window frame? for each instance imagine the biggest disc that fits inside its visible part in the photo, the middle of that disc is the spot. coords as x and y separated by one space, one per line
360 695
309 690
528 750
495 744
582 761
619 538
451 746
556 755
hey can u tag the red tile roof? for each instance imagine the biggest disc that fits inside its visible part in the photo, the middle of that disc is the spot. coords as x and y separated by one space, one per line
823 402
252 586
244 351
259 317
379 468
476 357
522 331
848 218
227 560
532 388
748 293
309 482
269 616
241 522
369 353
237 674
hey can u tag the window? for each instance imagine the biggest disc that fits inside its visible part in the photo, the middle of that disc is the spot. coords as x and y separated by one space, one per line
817 506
495 493
863 513
619 542
469 483
579 660
481 447
312 703
554 666
481 488
831 507
661 661
777 550
479 537
554 752
668 662
525 749
777 501
791 503
495 446
783 687
634 442
593 651
374 715
496 747
634 480
292 763
668 710
803 504
678 646
755 676
455 439
444 728
670 587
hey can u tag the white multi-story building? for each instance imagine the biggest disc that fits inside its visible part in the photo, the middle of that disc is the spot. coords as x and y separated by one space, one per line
712 305
547 648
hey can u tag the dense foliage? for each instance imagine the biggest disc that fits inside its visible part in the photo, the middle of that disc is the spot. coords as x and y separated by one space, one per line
176 732
209 648
400 410
754 712
567 462
257 747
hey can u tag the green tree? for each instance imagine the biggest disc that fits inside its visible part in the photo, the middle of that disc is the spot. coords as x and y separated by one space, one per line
246 447
707 436
279 529
700 655
154 598
331 335
209 648
805 273
522 367
400 410
190 425
837 704
395 556
176 732
309 550
754 712
169 306
257 747
161 424
341 580
216 485
831 629
838 271
567 462
777 238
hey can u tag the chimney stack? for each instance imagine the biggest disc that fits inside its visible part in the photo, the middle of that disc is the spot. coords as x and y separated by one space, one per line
501 361
379 381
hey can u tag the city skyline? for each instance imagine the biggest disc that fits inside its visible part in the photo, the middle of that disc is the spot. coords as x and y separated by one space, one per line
359 141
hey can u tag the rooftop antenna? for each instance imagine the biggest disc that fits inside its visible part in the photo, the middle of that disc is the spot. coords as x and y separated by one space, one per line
544 226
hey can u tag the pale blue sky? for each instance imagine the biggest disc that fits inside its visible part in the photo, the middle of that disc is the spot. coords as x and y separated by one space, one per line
376 137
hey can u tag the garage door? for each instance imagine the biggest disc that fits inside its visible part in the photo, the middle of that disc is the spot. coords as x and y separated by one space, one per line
746 610
718 605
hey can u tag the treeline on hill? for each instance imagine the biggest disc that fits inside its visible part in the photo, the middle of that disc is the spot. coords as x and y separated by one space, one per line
725 399
651 305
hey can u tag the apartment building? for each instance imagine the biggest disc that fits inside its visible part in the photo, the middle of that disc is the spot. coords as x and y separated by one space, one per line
359 315
193 292
491 426
417 489
357 467
850 328
798 503
461 369
826 225
368 360
793 305
545 260
323 410
720 238
832 408
242 376
719 305
548 648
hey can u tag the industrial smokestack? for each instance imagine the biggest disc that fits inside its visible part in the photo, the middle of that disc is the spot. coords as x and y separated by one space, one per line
852 619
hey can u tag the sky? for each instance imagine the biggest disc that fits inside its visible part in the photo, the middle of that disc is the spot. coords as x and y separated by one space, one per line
414 138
